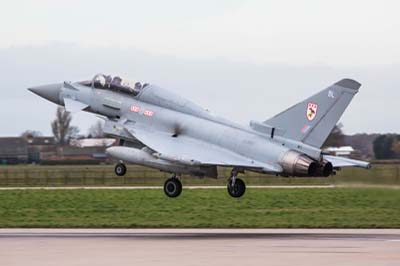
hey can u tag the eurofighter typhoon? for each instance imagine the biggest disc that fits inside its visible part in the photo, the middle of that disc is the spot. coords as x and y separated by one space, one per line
162 130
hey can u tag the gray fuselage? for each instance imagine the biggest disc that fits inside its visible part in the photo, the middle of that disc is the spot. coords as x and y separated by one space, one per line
194 121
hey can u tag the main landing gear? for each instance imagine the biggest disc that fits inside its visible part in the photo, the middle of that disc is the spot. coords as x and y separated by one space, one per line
173 187
236 186
120 169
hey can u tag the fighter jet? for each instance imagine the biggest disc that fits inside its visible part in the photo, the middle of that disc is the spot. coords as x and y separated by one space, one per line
160 129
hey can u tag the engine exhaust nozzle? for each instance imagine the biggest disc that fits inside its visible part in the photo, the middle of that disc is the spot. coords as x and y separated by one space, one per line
296 164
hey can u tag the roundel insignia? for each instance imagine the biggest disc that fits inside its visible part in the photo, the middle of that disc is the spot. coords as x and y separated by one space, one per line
312 109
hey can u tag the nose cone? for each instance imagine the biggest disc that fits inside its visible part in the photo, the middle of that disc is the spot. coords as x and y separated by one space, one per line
49 92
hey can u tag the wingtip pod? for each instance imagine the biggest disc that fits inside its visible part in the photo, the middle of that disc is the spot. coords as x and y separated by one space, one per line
349 84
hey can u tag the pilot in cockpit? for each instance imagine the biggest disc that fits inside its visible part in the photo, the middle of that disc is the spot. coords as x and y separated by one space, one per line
108 81
138 87
116 81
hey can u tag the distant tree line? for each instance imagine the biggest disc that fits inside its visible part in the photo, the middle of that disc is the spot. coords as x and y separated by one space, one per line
63 131
381 147
61 126
387 147
336 138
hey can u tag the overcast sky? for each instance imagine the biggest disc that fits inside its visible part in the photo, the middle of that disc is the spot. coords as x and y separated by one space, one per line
243 59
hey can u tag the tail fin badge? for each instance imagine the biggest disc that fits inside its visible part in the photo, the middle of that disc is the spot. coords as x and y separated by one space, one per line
312 109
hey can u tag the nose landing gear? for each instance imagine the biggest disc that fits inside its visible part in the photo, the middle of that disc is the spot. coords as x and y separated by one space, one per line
120 169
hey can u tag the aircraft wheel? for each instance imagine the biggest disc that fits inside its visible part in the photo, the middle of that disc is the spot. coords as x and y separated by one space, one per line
236 187
173 187
120 169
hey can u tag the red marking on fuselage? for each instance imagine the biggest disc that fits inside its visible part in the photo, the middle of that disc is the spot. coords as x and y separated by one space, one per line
135 109
148 113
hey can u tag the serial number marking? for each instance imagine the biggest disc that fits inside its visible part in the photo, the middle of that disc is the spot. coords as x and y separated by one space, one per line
135 109
148 113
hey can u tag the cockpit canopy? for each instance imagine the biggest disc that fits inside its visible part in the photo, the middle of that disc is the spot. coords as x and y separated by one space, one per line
145 93
116 83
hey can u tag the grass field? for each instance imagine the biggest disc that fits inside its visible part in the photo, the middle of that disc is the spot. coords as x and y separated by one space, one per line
260 208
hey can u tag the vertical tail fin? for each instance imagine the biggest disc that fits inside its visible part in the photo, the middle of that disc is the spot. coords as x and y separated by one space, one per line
312 120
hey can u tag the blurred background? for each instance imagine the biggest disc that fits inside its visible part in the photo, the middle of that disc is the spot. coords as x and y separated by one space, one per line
246 60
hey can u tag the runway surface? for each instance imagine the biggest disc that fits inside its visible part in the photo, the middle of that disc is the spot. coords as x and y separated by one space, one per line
199 247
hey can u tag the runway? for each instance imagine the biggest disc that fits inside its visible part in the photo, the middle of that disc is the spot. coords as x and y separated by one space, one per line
199 247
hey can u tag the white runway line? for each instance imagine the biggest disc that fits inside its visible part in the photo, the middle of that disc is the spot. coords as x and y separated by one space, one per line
157 187
343 232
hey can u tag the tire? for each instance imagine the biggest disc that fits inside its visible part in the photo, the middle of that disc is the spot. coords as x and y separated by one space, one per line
120 169
238 189
172 187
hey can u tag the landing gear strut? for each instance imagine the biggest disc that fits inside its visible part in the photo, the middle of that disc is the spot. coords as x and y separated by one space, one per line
120 169
236 186
173 187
